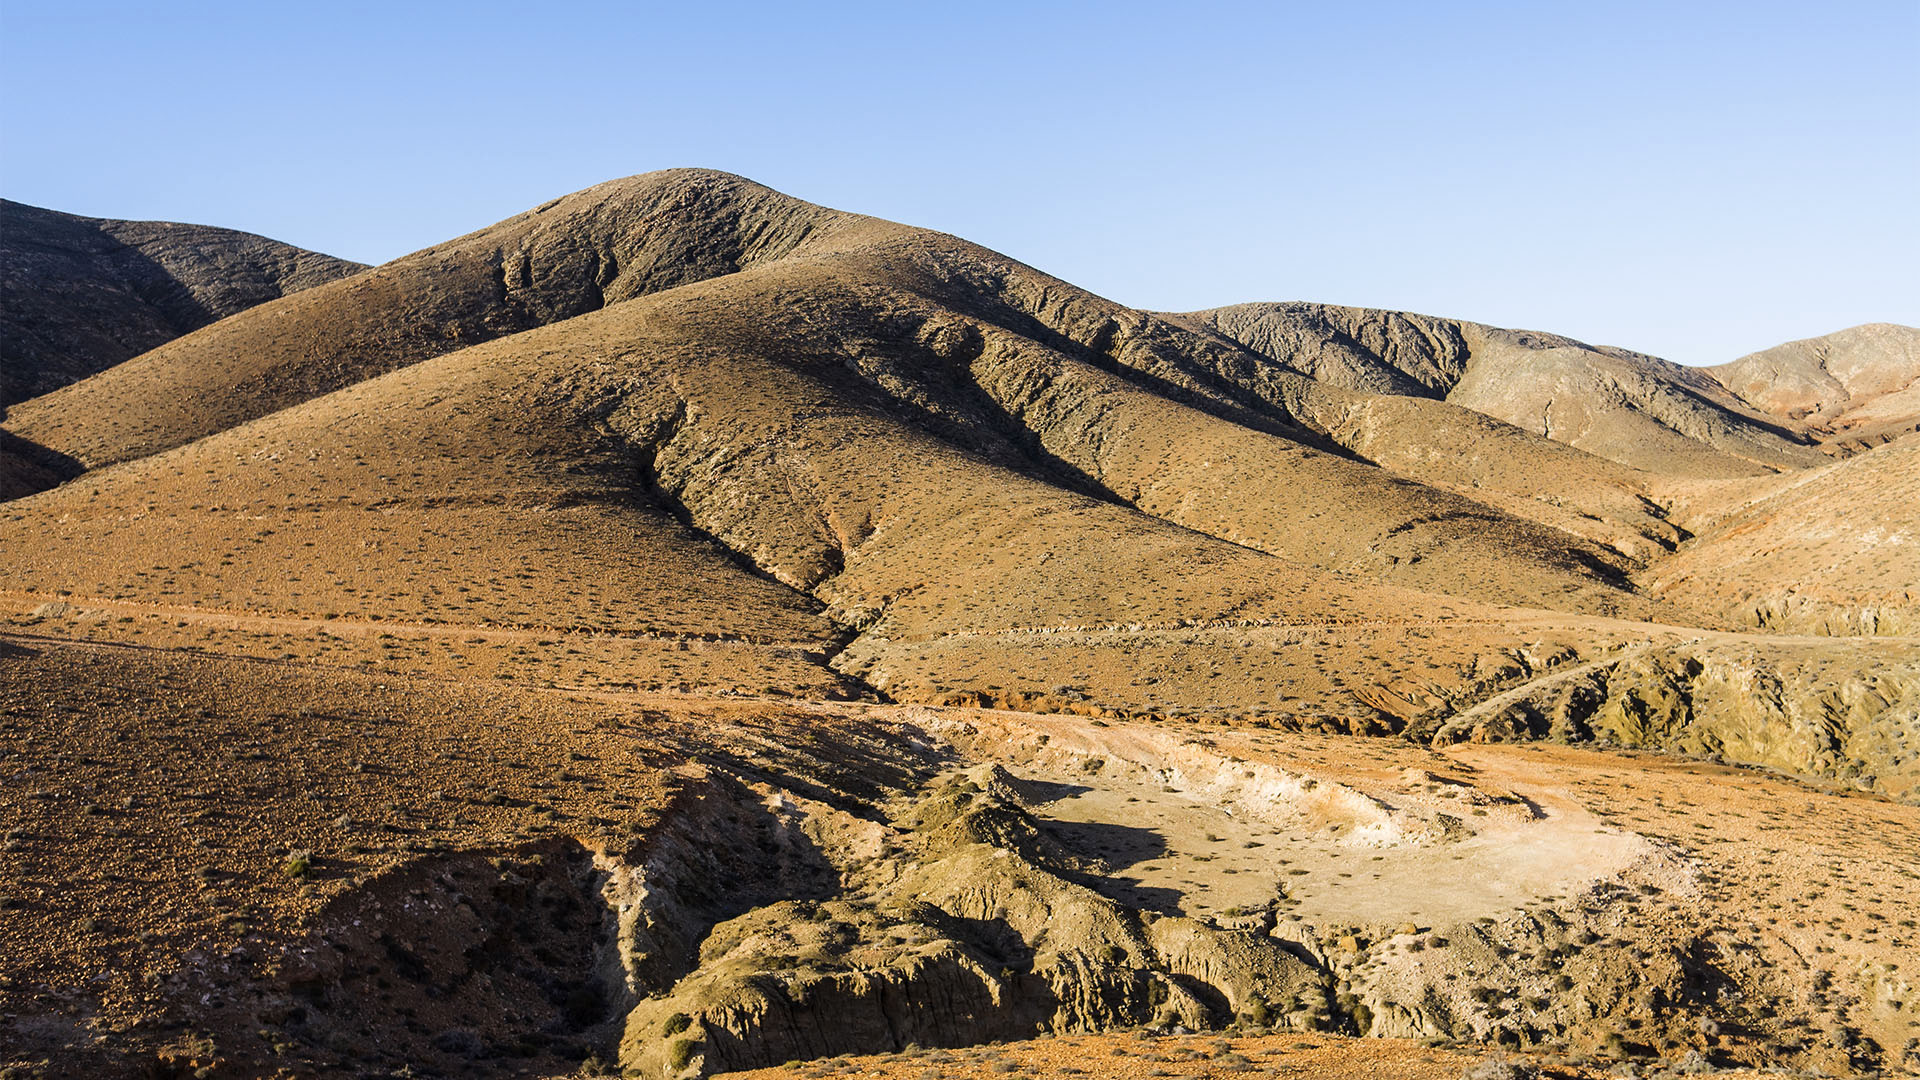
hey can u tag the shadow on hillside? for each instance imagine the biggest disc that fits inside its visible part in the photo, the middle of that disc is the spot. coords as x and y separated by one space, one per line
27 468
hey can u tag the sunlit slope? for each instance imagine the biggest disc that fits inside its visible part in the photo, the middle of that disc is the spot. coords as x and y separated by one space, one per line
1856 387
1834 550
568 256
1621 405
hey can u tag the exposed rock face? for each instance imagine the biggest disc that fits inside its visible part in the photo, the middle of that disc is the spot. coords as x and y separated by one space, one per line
1382 352
1846 714
1533 980
1856 387
965 924
79 295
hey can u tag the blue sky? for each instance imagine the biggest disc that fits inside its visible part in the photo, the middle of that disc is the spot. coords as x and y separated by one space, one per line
1692 180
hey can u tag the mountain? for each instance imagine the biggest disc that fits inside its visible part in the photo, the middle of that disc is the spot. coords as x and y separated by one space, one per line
887 337
732 403
1855 387
1634 409
79 295
692 627
561 259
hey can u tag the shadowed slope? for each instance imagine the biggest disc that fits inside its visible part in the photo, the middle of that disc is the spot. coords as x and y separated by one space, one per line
26 468
79 295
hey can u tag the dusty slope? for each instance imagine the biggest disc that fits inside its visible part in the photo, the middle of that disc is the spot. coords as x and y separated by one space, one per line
477 879
79 295
562 258
1833 550
1620 405
1857 387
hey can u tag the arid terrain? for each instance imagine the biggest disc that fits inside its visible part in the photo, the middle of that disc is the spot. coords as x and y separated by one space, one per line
681 630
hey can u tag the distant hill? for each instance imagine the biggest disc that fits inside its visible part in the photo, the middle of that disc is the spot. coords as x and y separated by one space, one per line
79 295
1859 386
1634 409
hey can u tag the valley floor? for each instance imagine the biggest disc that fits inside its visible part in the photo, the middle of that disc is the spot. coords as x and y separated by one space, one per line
199 847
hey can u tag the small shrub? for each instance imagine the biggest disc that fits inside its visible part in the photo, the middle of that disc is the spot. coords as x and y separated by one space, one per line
458 1041
1499 1068
1694 1064
676 1024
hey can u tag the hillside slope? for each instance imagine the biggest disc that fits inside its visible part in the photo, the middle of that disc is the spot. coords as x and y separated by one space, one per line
1833 550
558 260
1859 386
79 295
1620 405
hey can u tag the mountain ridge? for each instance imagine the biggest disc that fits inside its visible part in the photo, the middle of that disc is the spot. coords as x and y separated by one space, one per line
79 295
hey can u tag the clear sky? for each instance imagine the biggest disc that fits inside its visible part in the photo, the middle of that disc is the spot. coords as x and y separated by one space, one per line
1695 180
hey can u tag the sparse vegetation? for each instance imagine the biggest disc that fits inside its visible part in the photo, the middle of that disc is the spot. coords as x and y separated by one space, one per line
768 628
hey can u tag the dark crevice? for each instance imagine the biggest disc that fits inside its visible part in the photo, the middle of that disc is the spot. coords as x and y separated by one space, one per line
648 491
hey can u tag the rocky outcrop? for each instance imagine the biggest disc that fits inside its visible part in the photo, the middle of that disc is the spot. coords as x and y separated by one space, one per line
1383 352
977 927
1846 713
79 295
